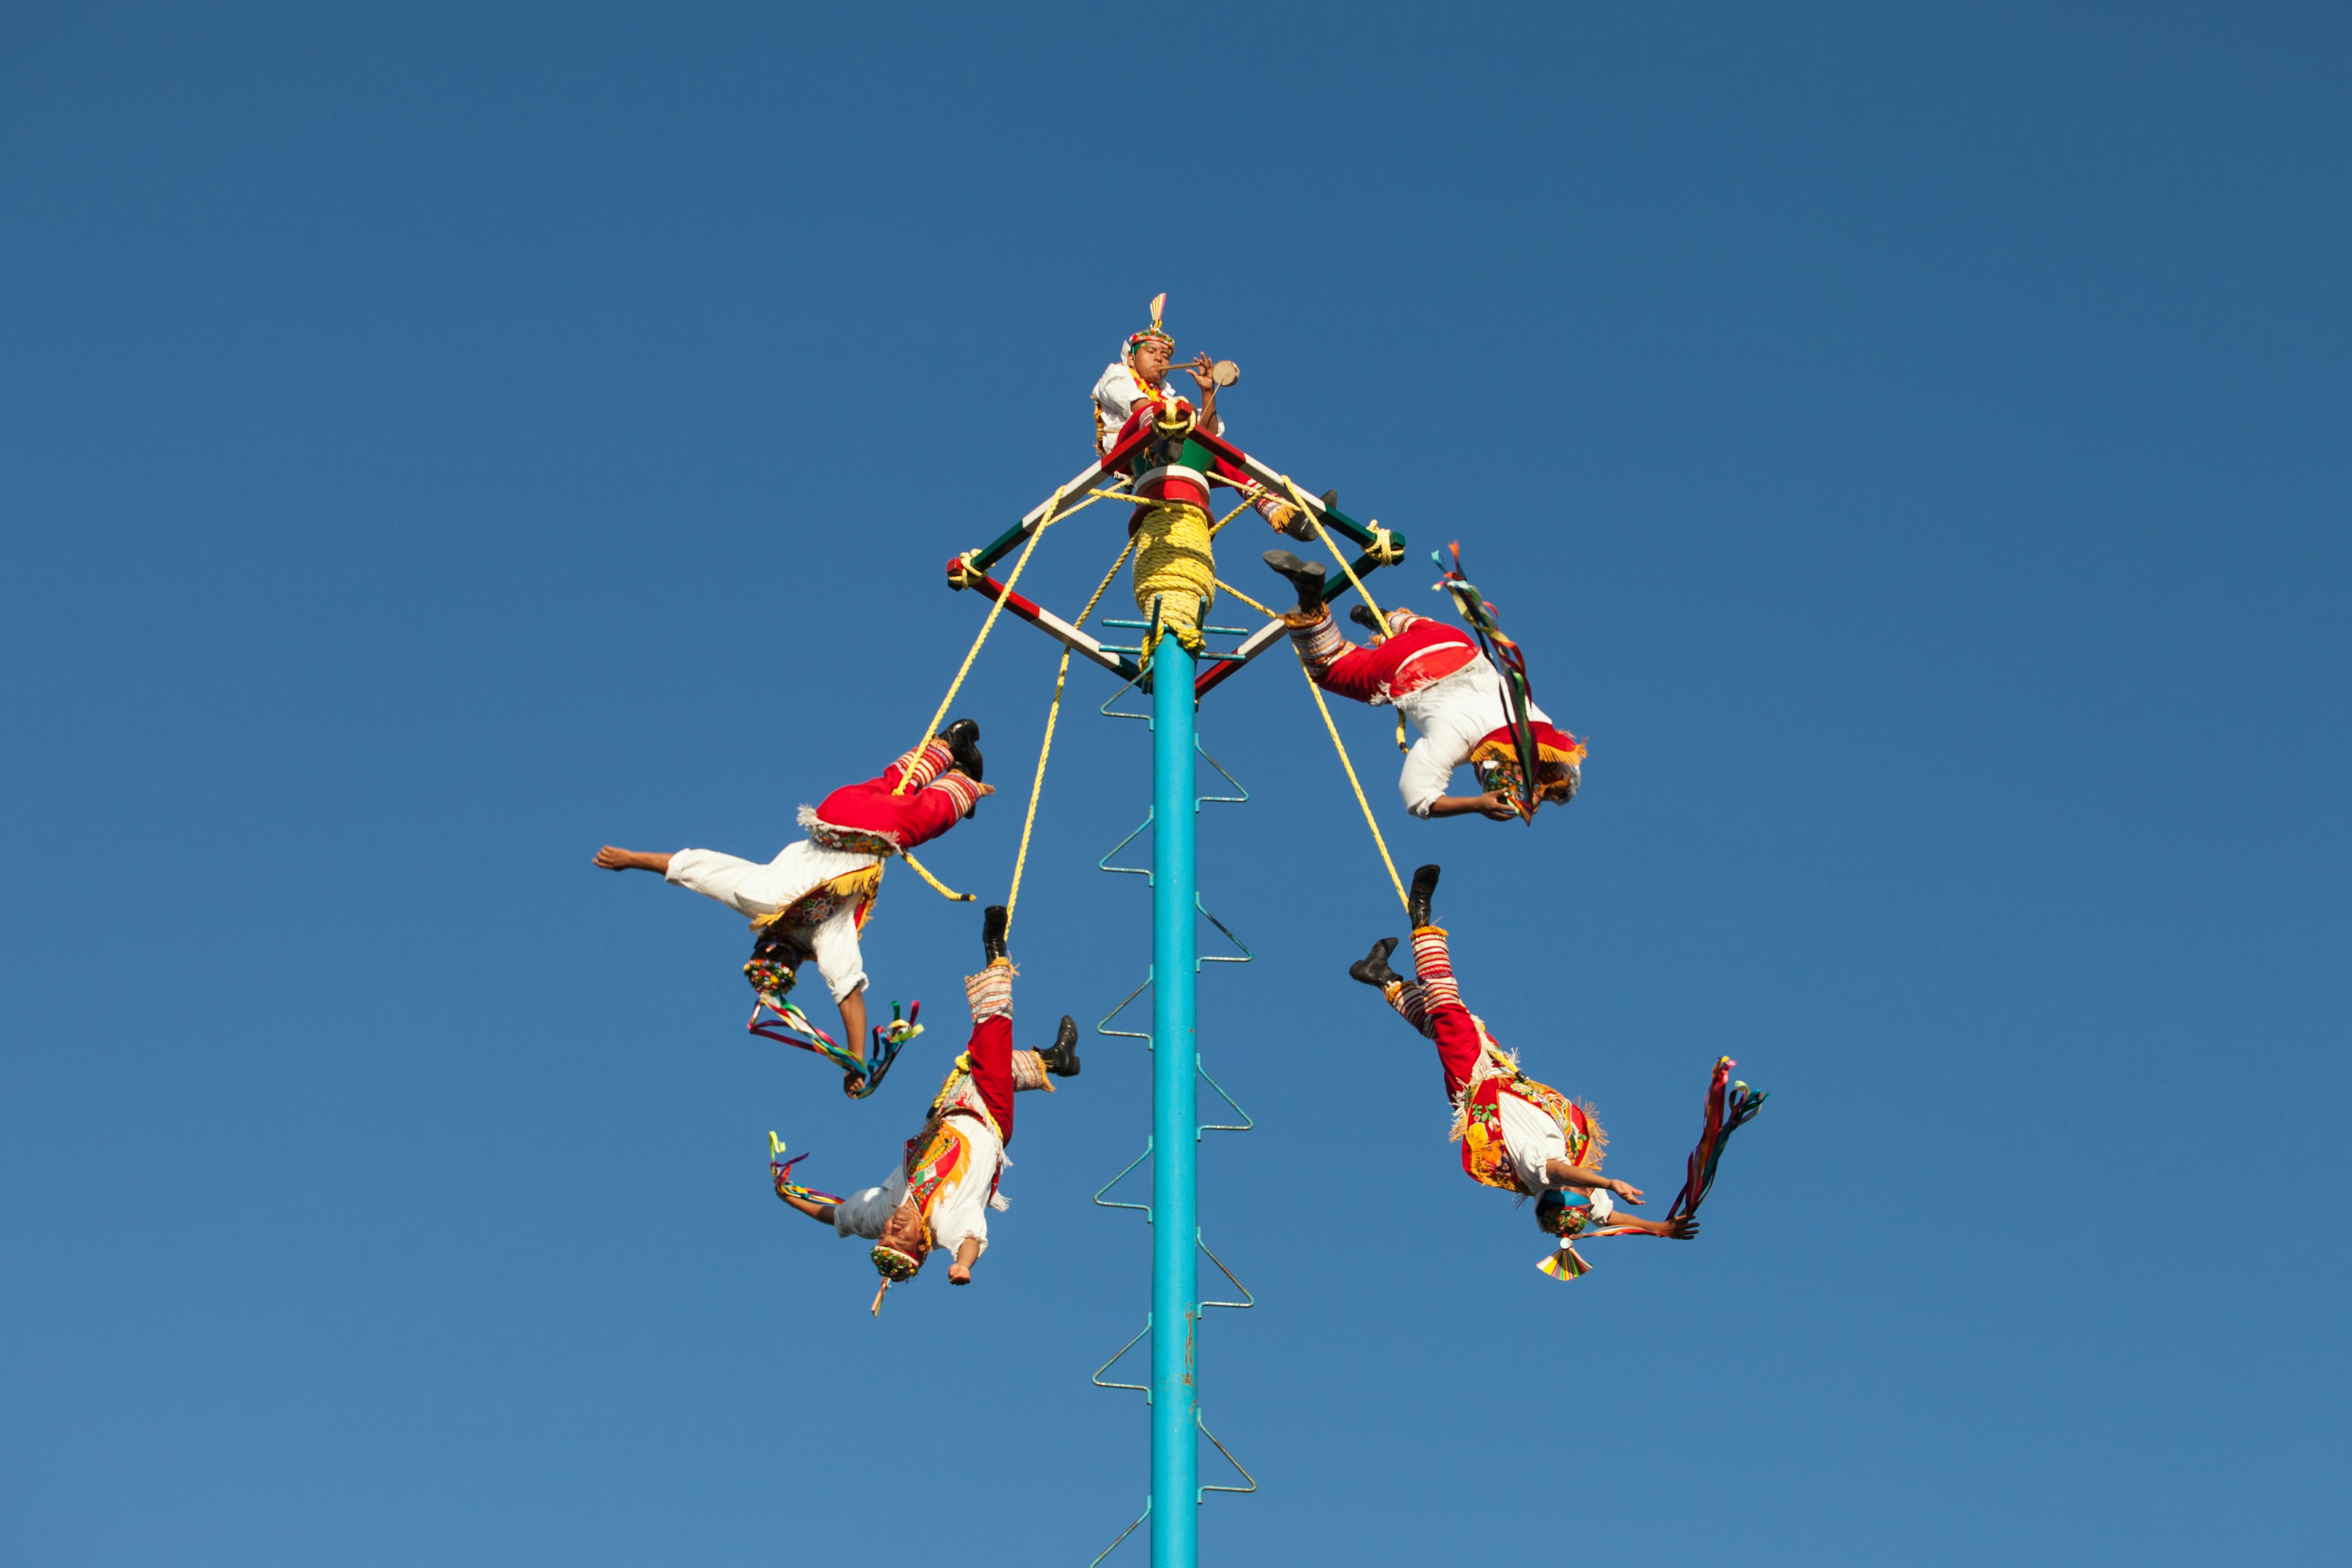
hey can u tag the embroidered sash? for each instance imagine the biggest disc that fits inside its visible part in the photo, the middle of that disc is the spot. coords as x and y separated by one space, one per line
1484 1156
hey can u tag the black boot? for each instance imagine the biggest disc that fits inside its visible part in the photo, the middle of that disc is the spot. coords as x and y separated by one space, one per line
993 922
1425 882
963 744
1306 576
1061 1059
1374 969
1362 615
1301 526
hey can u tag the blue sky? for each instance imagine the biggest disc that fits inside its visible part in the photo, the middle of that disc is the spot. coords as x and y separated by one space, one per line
1909 443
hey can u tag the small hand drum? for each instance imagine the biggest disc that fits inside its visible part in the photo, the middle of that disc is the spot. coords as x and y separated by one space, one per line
1224 373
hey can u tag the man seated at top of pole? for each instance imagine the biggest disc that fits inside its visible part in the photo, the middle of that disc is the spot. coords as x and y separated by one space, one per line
1138 380
1172 473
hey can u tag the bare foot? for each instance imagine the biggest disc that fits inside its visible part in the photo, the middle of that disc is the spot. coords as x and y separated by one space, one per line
613 859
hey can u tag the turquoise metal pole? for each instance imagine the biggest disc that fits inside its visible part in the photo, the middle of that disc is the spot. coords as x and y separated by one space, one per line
1175 1136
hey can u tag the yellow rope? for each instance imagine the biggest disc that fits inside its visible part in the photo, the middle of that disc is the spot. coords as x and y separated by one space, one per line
1246 599
945 890
1355 785
1248 501
1052 512
1093 497
1300 501
1052 717
1316 519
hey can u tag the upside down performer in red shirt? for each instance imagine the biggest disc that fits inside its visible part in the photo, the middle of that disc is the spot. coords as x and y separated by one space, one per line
1522 1136
937 1198
1435 676
812 900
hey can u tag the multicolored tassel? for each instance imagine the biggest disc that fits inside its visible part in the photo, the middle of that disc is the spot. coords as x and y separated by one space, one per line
780 1171
1727 1112
774 1018
1566 1264
1511 662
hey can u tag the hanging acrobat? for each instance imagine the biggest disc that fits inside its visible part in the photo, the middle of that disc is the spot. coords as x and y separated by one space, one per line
1523 1136
937 1197
813 899
1467 709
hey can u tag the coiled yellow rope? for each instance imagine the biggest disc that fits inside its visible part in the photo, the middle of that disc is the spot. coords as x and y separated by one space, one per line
1052 717
1174 565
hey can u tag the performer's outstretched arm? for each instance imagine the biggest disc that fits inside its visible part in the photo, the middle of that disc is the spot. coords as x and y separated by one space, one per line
967 1253
1204 377
853 1037
1682 1227
1561 1173
821 1213
1490 804
834 944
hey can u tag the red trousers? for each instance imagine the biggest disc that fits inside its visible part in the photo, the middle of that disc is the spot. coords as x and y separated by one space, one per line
1457 1044
1425 650
991 1069
934 801
1431 1003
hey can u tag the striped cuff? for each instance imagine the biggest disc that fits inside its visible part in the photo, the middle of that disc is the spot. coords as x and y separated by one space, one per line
1318 640
1433 967
954 783
1029 1072
924 763
990 992
1412 1005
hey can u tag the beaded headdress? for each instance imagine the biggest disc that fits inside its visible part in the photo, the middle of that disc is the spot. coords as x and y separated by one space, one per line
893 1266
1555 1216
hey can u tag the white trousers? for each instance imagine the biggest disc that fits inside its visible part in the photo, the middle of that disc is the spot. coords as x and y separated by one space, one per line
753 890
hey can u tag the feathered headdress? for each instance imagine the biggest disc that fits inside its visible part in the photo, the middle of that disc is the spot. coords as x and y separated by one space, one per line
1155 330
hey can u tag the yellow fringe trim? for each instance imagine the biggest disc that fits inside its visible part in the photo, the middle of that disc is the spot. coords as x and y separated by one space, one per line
863 885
